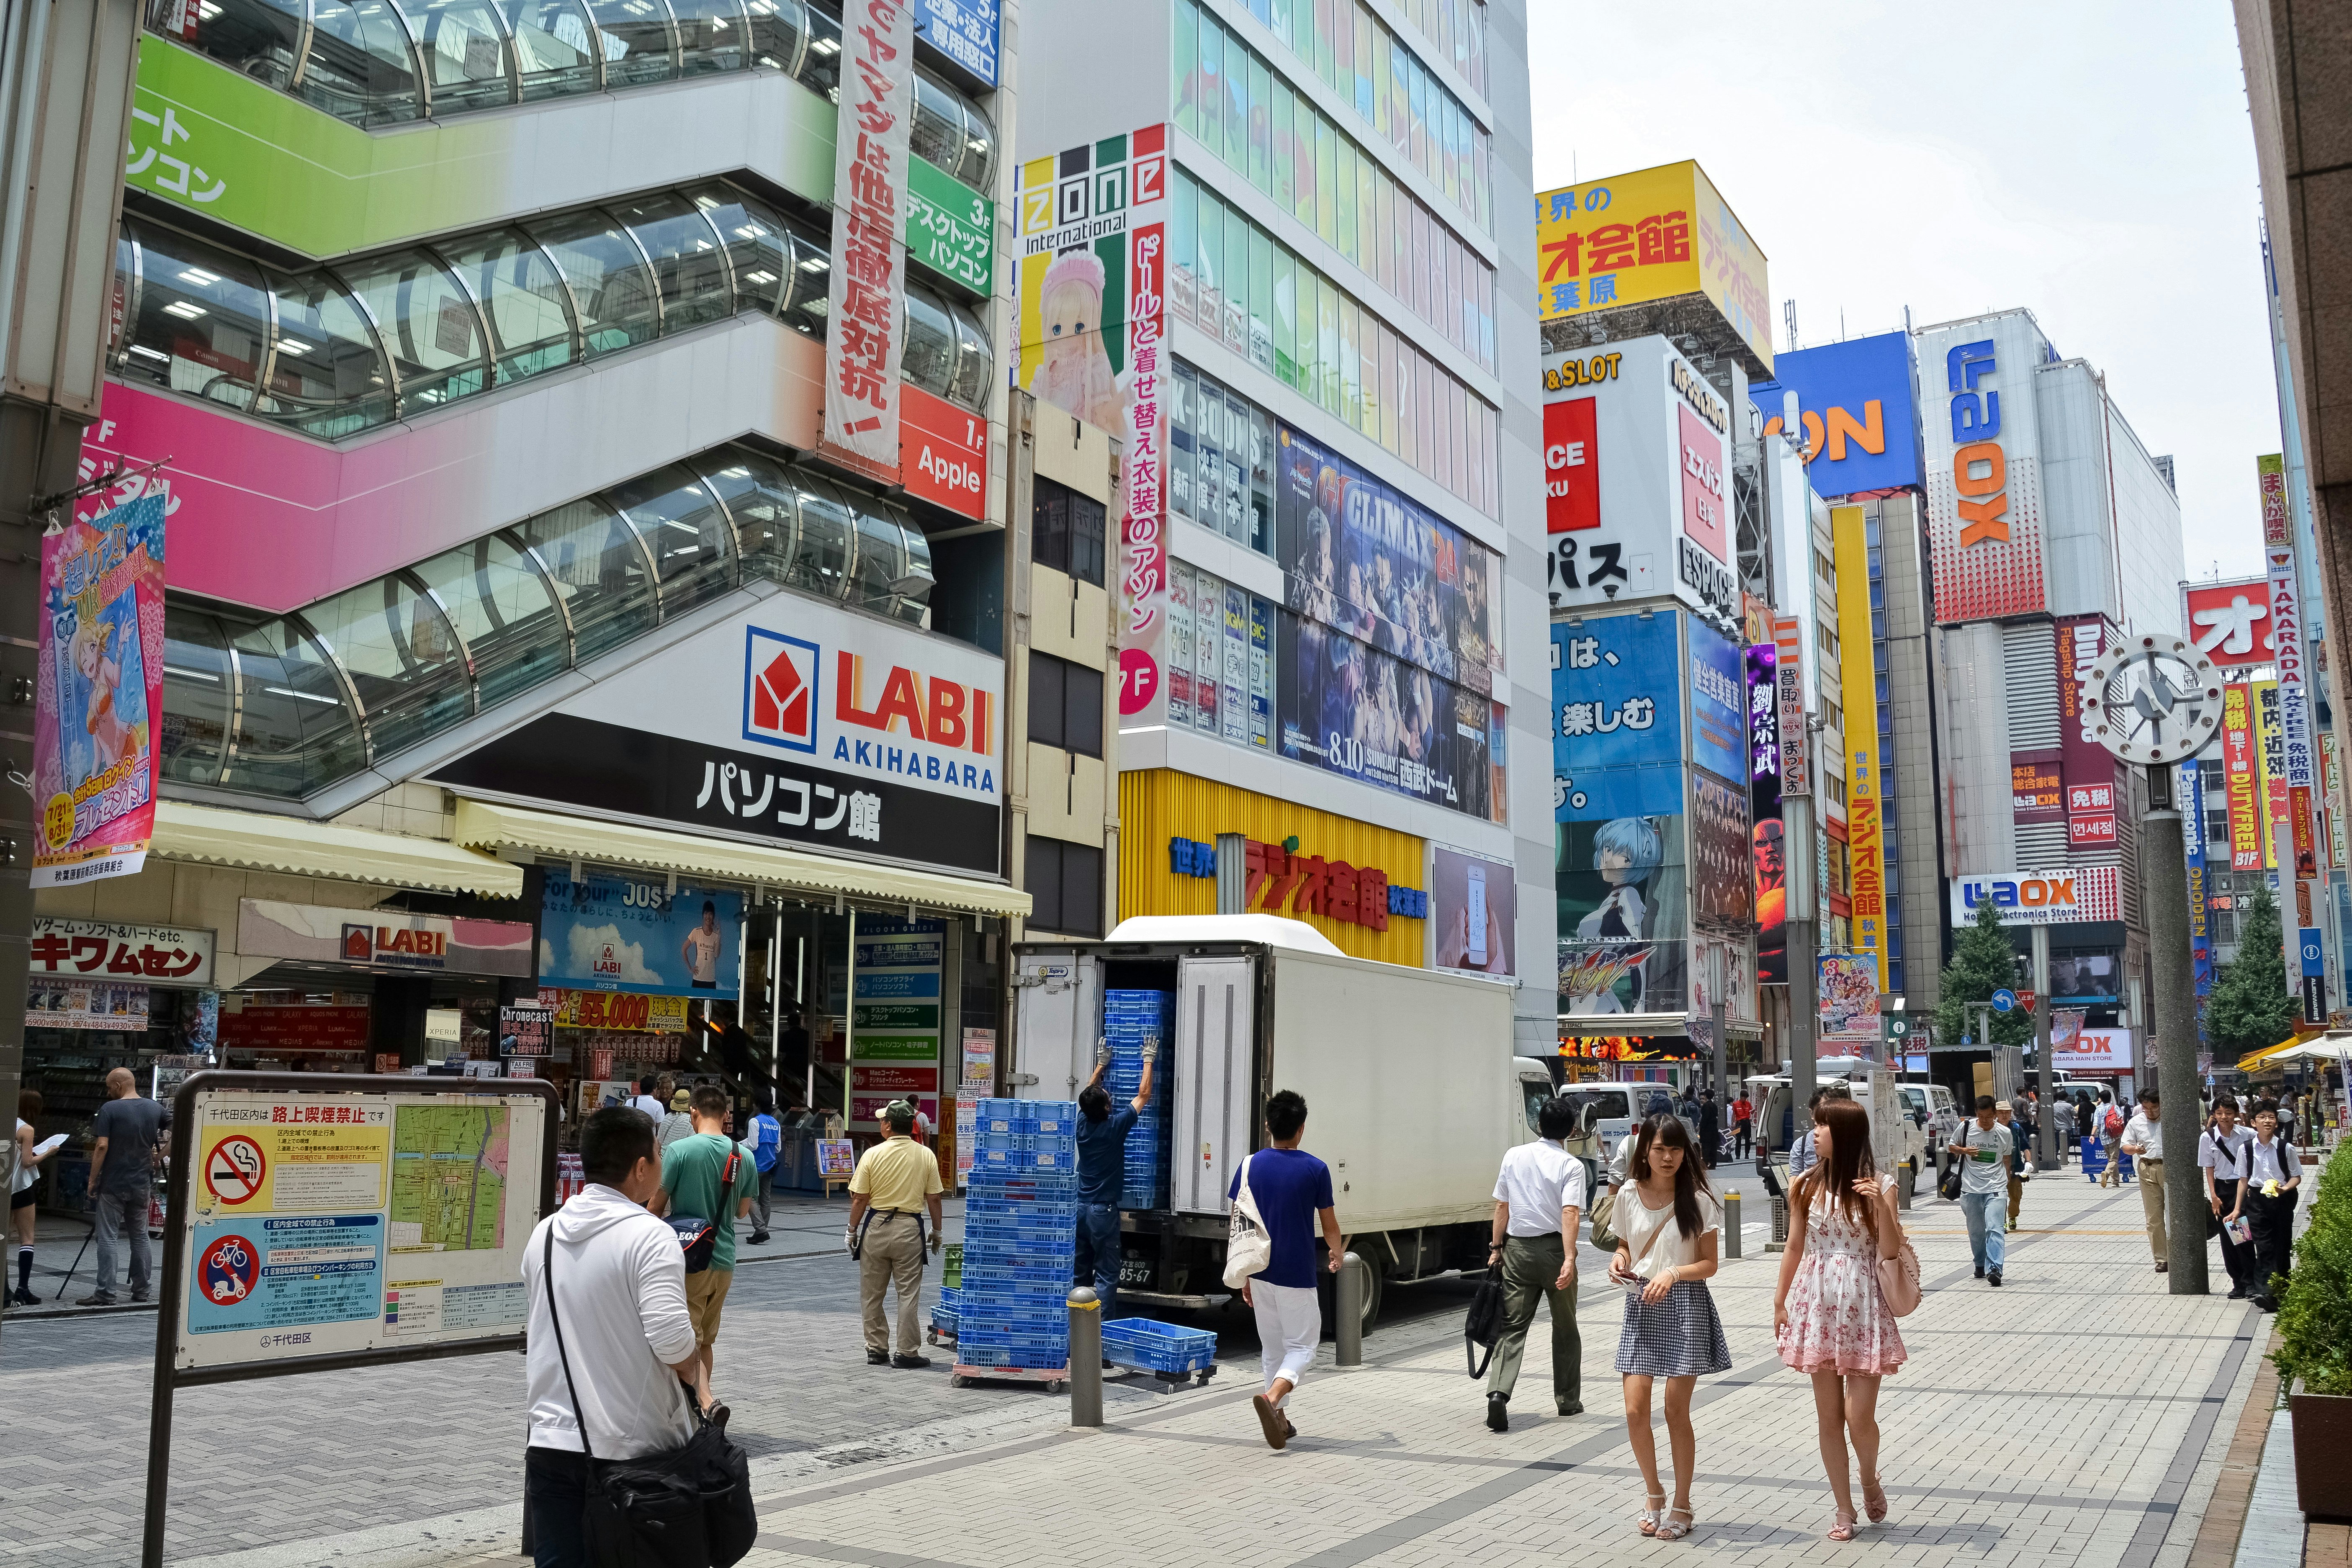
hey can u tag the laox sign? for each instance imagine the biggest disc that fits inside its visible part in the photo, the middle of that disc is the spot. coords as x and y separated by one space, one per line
2040 898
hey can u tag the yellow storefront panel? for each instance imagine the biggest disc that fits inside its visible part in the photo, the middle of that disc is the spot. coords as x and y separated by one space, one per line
1158 806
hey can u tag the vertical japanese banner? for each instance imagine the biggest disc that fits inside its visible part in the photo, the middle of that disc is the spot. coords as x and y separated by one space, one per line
1859 688
1143 582
1767 853
864 339
2270 767
2238 776
2295 708
2200 929
100 695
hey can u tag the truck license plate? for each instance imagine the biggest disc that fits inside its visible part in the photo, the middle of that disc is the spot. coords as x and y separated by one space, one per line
1135 1270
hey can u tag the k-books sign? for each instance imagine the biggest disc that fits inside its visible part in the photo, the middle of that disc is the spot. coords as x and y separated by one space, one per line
791 720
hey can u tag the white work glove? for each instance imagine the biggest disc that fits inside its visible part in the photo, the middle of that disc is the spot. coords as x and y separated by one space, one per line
1151 1051
1102 1056
938 1242
849 1240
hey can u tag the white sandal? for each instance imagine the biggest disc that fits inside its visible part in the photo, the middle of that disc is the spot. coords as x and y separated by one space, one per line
1671 1531
1649 1519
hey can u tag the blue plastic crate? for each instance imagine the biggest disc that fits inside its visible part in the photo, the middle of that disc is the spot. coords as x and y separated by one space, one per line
1027 1163
1157 1346
980 1275
1004 1230
1024 1208
1025 1360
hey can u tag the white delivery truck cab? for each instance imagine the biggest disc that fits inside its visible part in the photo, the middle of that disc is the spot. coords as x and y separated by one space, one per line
1412 1089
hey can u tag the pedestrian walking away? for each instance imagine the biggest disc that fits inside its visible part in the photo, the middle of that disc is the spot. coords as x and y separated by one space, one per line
1666 1252
1830 1316
677 1121
895 1182
1800 1147
2275 1175
1743 1126
122 1182
1710 1127
2142 1140
626 1363
1538 1200
1102 1173
1292 1191
2107 1123
708 1175
21 1215
653 1097
2222 1156
2020 1140
767 1148
1986 1154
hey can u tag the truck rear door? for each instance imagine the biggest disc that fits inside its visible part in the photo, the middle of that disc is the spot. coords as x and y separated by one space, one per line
1057 1018
1214 1081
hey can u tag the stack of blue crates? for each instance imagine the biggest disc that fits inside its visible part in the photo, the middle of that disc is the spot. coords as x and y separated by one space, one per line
1130 1019
1020 1236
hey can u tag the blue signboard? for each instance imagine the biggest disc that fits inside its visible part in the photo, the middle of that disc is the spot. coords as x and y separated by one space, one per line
599 933
1617 744
963 30
1854 401
1718 704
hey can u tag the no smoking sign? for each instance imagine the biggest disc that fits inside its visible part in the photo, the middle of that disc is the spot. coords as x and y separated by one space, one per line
232 1171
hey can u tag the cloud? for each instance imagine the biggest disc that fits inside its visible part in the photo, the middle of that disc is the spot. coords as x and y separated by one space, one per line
589 945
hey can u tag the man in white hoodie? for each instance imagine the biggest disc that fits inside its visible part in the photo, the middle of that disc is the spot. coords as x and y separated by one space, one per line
619 1293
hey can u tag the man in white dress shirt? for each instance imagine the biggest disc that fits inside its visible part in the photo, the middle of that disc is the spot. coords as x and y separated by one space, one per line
2222 1154
2144 1142
1538 1199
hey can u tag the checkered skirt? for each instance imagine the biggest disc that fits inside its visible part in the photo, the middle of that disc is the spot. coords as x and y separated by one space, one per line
1681 1336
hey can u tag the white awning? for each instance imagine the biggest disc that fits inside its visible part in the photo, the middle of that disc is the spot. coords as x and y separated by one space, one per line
256 841
485 825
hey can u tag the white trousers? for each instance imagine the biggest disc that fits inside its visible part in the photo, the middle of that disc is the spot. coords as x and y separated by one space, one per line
1289 1323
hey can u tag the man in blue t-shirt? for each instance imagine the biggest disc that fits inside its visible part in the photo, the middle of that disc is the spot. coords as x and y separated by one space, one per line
1292 1191
1102 1171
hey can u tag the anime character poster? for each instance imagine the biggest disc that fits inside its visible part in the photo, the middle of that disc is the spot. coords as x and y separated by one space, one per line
99 695
1624 910
1347 708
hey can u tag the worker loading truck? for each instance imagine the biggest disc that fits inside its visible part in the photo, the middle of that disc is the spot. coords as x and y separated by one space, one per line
1414 1088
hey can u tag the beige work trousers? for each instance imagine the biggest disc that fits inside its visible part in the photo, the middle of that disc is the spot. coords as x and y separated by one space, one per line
893 1252
2151 1202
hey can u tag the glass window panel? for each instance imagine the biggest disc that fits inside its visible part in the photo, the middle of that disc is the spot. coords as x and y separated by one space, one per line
1285 296
360 67
1186 67
1416 84
881 555
464 53
1388 431
914 604
610 287
1342 76
1366 62
1327 181
1213 87
1351 388
553 54
937 135
1381 252
1324 40
1367 213
685 533
256 39
1398 126
194 737
753 235
1282 153
688 266
522 295
978 169
761 500
1302 162
779 33
428 326
1326 346
328 378
1485 316
1237 114
1454 293
1260 332
810 282
403 660
821 562
499 605
1311 341
598 569
1213 264
820 69
1261 123
1483 145
1345 156
1184 246
1279 18
1425 455
975 361
1238 282
637 41
294 728
929 358
1423 230
712 36
202 322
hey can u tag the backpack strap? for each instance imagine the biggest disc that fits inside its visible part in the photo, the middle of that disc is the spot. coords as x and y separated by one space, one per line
547 1277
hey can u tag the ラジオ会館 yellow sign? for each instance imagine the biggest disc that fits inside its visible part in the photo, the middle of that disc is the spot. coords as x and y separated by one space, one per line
1650 234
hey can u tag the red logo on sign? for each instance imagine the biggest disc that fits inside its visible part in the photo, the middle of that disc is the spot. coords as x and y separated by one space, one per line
2230 622
780 698
1571 466
227 1269
232 1171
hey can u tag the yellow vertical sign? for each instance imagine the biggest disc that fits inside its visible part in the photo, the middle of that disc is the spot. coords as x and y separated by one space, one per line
1858 684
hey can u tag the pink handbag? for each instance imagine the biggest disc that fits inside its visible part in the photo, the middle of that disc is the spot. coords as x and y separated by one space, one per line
1898 1277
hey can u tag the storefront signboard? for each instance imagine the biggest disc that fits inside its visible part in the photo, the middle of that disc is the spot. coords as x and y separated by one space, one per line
383 940
964 31
83 1004
2230 623
864 335
944 453
2240 790
527 1030
947 227
792 721
1647 234
2040 898
1473 927
444 1025
601 932
131 954
893 1051
633 1011
99 695
2094 1052
292 1031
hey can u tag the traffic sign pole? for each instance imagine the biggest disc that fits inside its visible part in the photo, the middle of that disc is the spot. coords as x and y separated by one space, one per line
2046 1121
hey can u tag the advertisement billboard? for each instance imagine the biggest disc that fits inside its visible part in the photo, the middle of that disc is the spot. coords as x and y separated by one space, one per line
2229 621
1642 506
1764 849
98 694
1982 456
2040 898
865 328
2295 706
791 720
1849 1009
1474 913
1718 702
2239 780
963 30
2087 768
1854 409
1617 799
1654 233
599 932
2037 789
2094 1053
1865 837
1723 891
1370 564
1349 708
1089 339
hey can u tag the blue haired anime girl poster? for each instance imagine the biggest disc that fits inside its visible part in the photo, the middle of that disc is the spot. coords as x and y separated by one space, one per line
1624 915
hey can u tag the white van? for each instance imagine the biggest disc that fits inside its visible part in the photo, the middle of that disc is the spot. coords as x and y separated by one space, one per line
1933 1108
1617 1109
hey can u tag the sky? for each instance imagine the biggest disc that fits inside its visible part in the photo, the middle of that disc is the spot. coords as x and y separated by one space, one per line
2088 159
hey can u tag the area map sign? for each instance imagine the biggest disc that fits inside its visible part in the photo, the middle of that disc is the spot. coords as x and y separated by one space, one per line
319 1221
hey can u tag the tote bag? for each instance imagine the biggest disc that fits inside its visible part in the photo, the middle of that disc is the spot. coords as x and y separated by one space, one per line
1248 1248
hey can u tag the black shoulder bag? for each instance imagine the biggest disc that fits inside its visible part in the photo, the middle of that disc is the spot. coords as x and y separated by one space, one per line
688 1508
1485 1324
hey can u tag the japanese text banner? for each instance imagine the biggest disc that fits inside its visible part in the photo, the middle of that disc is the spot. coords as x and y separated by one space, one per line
863 339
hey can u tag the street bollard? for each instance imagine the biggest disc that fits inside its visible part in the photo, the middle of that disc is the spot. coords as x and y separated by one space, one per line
1085 1358
1348 1313
1731 1230
1906 1177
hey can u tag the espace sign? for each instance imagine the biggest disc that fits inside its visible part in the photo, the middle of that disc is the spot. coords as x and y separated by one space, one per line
2041 897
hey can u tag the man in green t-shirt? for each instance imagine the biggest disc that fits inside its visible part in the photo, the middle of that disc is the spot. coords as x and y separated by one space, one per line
694 1173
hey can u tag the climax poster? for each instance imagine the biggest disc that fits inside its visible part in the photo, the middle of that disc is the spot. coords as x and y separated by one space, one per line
99 694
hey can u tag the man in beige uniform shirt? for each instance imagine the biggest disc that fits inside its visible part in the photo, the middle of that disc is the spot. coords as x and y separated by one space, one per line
895 1180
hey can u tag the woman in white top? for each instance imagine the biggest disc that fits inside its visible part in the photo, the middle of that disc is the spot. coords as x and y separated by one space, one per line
20 1196
2269 1196
1666 1221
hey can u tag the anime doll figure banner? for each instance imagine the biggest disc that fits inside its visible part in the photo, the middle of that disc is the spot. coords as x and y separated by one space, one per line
100 688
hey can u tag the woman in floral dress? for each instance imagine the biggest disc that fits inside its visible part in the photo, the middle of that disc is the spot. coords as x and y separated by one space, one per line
1829 1315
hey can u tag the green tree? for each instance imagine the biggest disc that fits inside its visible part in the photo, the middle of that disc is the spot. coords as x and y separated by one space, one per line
1982 962
2251 1007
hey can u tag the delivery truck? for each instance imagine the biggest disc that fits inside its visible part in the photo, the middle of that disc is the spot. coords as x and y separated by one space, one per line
1413 1089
